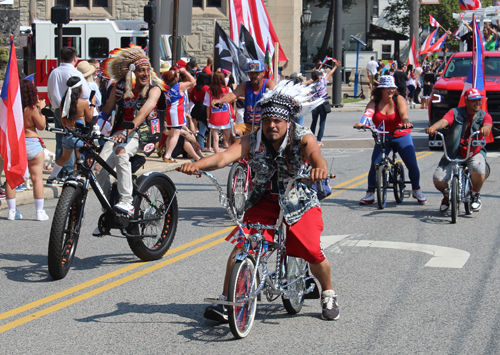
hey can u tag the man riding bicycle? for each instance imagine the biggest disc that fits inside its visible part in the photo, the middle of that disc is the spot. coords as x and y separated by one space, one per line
278 152
133 104
252 90
462 122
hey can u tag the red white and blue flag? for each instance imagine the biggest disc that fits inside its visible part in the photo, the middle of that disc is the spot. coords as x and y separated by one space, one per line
433 21
327 59
413 55
253 14
12 142
439 45
429 41
475 79
456 35
470 4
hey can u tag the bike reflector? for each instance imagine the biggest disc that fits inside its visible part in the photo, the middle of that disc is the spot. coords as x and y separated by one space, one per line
480 143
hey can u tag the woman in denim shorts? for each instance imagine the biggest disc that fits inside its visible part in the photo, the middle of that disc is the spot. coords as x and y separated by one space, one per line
33 120
74 109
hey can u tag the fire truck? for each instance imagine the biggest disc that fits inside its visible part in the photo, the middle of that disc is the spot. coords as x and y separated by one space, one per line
91 38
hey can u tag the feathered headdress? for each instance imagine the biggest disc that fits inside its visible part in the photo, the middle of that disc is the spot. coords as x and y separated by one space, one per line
123 64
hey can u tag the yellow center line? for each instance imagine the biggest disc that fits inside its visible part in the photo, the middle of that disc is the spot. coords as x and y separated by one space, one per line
105 277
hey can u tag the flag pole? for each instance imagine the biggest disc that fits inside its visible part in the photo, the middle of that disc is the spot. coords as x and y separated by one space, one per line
276 60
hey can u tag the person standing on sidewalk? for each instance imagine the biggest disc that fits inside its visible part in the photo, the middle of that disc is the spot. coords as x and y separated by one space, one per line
56 87
372 68
33 120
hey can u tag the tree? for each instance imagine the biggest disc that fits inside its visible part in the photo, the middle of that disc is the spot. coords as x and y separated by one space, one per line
346 6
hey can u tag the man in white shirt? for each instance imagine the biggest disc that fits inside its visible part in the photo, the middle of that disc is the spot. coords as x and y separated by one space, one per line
56 88
372 68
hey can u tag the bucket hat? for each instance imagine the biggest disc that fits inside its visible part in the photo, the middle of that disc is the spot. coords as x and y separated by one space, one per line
387 81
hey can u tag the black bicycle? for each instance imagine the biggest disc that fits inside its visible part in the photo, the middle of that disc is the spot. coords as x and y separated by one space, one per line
149 232
390 173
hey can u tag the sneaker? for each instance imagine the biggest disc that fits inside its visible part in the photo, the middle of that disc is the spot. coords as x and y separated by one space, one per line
419 195
476 203
2 195
368 199
96 232
54 182
329 304
125 208
445 204
14 215
41 215
320 144
20 188
217 312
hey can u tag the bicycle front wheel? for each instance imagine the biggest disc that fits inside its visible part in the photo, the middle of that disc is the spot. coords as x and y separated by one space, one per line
236 194
398 182
293 299
160 225
467 193
454 199
241 318
382 182
65 231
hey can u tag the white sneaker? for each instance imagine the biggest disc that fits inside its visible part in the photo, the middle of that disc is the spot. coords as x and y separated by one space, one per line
368 199
14 215
41 215
419 195
125 208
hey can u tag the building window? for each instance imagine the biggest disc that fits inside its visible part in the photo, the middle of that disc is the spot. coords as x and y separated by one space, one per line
375 8
79 8
207 3
216 8
386 51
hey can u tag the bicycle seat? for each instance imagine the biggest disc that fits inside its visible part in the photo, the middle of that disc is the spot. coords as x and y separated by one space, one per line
137 162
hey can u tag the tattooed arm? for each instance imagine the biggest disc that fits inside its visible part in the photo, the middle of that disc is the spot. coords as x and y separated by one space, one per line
236 151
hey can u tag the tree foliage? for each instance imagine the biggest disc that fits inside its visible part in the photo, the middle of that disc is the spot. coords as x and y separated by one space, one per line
397 13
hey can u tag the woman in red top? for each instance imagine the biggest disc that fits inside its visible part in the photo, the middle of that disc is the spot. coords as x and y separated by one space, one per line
388 111
218 118
199 112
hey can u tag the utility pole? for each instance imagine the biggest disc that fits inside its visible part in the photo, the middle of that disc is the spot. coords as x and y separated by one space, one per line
414 22
32 10
337 53
174 33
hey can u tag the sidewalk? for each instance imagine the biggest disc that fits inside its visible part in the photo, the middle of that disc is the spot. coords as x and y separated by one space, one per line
153 163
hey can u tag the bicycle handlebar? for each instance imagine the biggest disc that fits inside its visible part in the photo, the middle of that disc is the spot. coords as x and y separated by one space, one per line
471 142
83 136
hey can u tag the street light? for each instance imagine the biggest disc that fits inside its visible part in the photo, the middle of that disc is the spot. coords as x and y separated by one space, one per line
306 18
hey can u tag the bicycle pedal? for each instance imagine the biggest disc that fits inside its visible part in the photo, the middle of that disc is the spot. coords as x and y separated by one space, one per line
314 293
407 193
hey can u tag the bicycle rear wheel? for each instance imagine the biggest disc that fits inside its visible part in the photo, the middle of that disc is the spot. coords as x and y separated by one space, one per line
467 193
241 318
236 194
294 269
382 182
398 180
454 199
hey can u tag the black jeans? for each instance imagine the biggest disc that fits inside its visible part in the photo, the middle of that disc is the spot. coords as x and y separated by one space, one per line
319 111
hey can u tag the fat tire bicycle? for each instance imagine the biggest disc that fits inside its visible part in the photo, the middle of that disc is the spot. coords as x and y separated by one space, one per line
390 173
251 277
460 184
149 232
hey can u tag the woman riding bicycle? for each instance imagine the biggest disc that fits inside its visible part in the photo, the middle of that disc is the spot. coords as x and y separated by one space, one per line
388 111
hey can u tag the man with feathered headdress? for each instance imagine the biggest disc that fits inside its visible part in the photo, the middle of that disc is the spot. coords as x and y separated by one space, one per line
277 152
132 104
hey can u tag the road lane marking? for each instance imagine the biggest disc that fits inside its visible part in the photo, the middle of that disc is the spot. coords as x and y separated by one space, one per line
444 257
105 277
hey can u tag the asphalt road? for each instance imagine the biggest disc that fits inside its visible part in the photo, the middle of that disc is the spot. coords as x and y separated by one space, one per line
408 281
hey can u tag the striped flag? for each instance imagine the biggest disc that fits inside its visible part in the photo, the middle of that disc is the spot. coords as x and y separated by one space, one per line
429 41
433 21
413 55
436 47
253 14
456 35
236 237
470 4
12 143
327 59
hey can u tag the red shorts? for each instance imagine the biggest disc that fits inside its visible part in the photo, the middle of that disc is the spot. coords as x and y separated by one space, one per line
302 238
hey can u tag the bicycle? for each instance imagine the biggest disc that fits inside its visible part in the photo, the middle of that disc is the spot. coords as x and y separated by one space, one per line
149 232
250 276
460 184
390 174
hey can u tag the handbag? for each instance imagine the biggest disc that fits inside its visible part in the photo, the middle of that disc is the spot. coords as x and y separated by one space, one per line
326 106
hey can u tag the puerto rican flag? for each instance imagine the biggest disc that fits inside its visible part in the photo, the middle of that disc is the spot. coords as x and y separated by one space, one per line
433 21
436 47
470 4
12 143
253 14
413 55
236 237
456 35
429 41
475 79
327 59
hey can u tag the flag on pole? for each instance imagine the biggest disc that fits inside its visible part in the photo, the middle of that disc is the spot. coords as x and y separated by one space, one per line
268 63
475 79
236 237
429 41
456 35
433 21
253 14
12 143
436 47
413 55
228 56
470 4
248 46
327 59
